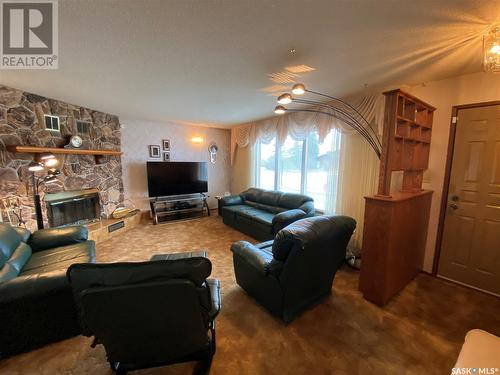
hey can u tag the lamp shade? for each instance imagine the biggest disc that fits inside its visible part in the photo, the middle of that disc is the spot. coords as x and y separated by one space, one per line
35 167
279 110
46 156
50 162
284 99
298 89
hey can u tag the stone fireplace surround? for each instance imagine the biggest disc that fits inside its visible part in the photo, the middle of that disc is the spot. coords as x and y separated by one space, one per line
22 123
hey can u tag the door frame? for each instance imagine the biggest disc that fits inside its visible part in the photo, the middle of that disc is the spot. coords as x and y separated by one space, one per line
447 174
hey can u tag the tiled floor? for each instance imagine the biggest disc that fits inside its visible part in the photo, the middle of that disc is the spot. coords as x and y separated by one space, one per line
419 332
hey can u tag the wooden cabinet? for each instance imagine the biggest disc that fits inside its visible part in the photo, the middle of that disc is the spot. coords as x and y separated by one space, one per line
395 226
394 238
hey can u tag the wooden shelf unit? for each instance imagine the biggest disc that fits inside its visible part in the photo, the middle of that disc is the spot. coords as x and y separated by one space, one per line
395 223
98 154
406 140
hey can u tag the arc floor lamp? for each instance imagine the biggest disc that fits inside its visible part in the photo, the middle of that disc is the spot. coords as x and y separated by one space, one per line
336 108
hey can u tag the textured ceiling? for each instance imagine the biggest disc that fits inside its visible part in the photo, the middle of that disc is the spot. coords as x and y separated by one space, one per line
210 62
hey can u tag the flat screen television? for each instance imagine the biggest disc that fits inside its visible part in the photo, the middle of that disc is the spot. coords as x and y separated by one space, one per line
176 178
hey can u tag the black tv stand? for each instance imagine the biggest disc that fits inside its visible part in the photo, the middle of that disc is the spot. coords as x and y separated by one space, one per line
178 207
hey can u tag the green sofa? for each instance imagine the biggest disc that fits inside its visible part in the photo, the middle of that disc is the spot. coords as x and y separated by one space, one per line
36 302
263 213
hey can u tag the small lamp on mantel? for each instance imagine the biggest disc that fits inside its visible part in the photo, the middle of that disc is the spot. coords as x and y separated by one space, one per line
37 165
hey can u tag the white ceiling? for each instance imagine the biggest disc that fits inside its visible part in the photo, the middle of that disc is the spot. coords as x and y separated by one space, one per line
208 61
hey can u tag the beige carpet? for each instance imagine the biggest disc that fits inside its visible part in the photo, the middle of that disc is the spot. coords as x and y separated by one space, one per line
419 332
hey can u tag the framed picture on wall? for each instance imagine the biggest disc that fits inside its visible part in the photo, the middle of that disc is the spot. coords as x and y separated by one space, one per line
166 156
154 151
166 144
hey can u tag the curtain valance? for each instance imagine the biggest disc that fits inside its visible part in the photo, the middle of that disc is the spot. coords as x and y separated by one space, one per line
298 125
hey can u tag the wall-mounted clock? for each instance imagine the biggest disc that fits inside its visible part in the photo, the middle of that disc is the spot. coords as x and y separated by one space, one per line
75 142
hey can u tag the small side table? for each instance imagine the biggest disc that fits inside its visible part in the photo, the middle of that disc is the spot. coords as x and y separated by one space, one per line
219 207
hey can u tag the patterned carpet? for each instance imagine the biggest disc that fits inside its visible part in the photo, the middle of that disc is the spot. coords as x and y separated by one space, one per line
419 332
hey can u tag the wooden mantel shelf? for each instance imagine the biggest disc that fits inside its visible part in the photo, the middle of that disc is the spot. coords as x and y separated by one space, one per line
54 150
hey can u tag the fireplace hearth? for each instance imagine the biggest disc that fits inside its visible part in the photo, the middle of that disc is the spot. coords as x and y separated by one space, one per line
73 207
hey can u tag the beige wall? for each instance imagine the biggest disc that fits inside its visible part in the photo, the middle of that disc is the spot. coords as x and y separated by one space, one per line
242 175
137 135
466 89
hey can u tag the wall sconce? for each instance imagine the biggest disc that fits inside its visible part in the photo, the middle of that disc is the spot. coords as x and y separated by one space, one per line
197 140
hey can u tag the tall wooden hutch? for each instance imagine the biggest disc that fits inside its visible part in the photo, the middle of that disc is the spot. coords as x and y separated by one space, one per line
396 219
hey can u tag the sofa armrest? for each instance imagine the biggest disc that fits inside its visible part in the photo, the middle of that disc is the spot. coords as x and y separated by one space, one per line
231 200
308 208
284 218
33 286
258 258
44 239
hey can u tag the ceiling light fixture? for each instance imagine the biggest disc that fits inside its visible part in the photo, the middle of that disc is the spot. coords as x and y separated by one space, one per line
336 108
491 50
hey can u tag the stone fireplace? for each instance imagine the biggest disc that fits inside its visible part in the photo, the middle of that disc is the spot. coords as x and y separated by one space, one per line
22 123
73 207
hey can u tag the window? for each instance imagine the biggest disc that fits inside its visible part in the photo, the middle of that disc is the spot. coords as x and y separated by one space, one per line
303 167
290 166
52 123
83 127
322 170
266 168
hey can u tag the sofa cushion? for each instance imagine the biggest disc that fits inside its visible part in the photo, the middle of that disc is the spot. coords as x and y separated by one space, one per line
269 197
231 210
265 207
290 200
252 194
9 241
20 256
60 257
253 213
51 238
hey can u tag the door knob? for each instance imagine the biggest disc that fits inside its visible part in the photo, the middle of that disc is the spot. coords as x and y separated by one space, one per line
453 206
454 198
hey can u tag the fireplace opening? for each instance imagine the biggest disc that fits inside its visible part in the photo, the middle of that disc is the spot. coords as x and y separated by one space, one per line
73 207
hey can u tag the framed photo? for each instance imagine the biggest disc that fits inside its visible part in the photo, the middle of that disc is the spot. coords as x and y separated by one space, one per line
154 151
166 144
166 156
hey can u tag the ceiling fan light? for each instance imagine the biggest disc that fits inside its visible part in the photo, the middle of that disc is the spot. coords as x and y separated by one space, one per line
298 89
279 110
285 99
